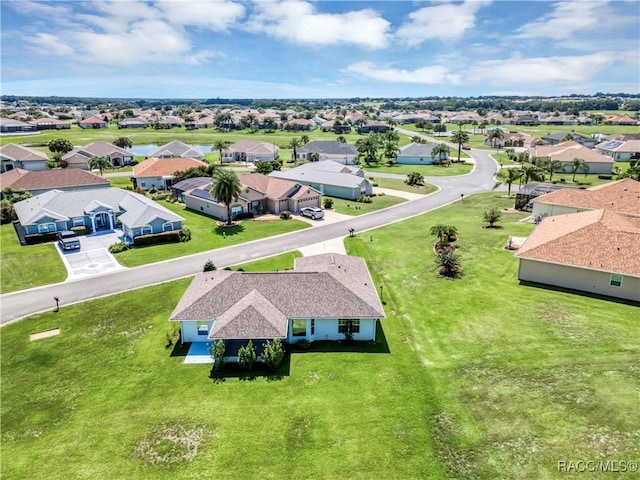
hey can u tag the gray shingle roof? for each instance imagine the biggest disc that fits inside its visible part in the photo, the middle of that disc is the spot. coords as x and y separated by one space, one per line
326 172
176 149
329 147
139 210
416 150
256 305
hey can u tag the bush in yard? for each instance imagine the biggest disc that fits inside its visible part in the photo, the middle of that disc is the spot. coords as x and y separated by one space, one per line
492 216
185 234
80 230
153 190
327 202
285 215
264 167
118 247
7 213
209 266
133 163
414 179
449 264
154 238
247 356
364 199
217 351
273 353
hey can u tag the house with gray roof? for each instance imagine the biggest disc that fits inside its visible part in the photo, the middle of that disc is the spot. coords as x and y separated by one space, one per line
329 150
240 306
10 125
417 154
82 156
176 149
100 209
330 178
16 156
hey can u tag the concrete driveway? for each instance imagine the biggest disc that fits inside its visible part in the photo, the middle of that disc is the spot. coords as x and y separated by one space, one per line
93 258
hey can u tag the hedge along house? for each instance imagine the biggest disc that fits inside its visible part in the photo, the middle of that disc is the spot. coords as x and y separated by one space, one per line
101 209
239 306
329 178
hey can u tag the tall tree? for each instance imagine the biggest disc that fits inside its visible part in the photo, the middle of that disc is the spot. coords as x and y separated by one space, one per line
294 144
368 146
59 146
221 146
460 137
495 135
531 172
100 163
440 150
509 176
304 139
226 189
390 149
123 142
552 166
578 165
441 231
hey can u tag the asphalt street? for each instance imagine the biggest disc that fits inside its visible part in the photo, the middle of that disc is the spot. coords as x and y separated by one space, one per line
17 305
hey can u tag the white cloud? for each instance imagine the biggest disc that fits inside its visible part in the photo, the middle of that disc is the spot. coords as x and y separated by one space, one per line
39 8
565 20
539 70
446 21
49 44
218 15
298 22
423 75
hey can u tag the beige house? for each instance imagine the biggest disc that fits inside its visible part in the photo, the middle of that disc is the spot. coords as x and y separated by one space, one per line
16 156
260 193
159 172
250 151
80 157
595 251
565 152
588 240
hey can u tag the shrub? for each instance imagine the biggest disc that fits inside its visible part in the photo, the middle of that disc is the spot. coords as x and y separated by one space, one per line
118 247
273 353
217 351
154 238
285 215
492 216
247 356
327 202
364 199
133 163
7 212
414 178
303 344
243 215
605 177
153 190
80 230
562 180
209 266
185 234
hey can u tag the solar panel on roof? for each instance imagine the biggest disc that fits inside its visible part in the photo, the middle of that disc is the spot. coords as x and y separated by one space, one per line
611 144
200 193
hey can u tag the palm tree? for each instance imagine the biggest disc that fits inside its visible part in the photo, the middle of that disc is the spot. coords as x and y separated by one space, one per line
494 135
341 139
449 262
294 144
223 121
226 189
442 151
509 176
368 146
390 149
460 137
100 163
531 172
579 165
391 136
221 146
553 166
304 139
441 231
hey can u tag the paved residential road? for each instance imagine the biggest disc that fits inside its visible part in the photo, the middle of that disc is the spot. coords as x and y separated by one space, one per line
17 305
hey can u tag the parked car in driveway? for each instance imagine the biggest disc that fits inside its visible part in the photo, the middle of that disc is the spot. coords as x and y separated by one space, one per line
312 212
466 147
68 240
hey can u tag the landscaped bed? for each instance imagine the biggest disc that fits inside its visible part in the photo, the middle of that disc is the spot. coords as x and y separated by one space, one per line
476 378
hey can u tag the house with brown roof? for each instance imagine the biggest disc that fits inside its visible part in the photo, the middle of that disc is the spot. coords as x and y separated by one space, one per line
16 156
615 119
81 157
92 122
48 123
260 193
596 251
621 196
238 306
159 172
40 181
250 151
565 152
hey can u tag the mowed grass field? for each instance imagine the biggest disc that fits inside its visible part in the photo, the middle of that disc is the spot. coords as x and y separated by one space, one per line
474 378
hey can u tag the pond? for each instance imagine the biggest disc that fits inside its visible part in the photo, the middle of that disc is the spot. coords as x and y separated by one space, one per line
145 150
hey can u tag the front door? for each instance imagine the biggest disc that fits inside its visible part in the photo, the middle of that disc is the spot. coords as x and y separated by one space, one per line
102 221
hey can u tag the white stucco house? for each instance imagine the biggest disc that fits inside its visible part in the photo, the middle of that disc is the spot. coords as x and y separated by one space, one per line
339 296
417 154
565 152
16 156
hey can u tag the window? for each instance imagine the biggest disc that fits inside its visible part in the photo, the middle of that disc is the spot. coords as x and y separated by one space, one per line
145 230
46 227
78 221
616 280
236 210
167 227
348 325
203 328
299 327
313 327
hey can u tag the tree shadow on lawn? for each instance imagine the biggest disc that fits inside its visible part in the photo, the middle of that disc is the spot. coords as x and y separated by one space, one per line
179 349
598 296
228 231
233 370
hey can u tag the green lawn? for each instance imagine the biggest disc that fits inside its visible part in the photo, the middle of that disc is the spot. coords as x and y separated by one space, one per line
206 235
351 207
461 168
29 266
475 378
397 184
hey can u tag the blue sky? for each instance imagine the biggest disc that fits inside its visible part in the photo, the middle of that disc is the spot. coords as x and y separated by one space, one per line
318 49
